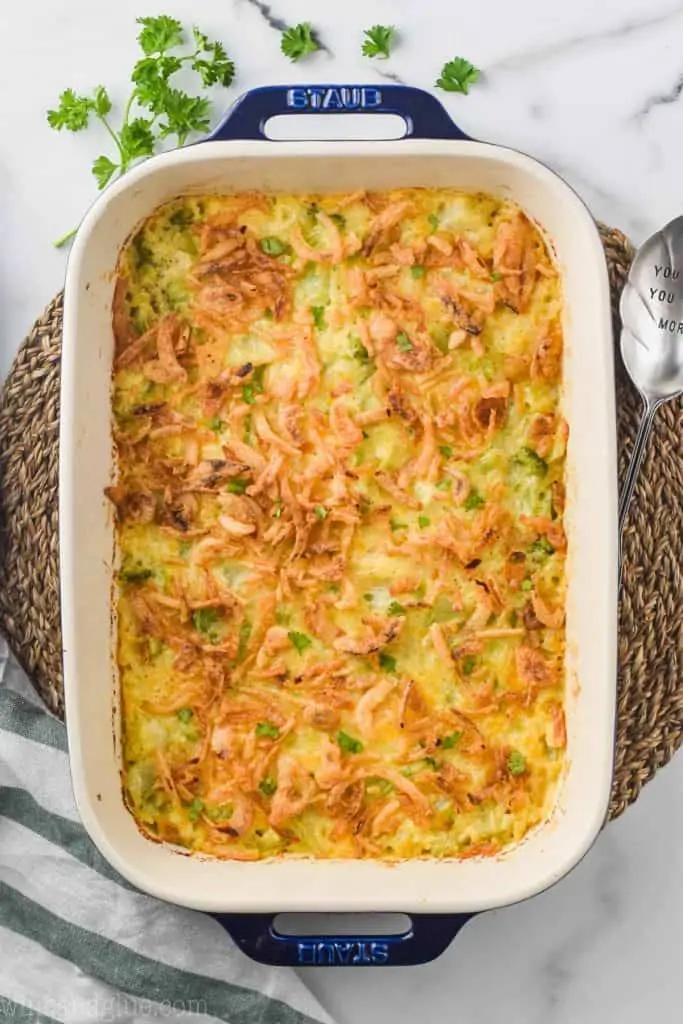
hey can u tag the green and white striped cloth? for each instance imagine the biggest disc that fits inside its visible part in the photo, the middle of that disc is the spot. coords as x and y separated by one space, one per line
77 942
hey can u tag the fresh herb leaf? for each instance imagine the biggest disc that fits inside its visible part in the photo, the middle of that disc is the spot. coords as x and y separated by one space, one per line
457 76
184 115
216 423
423 521
418 272
446 451
185 714
195 809
299 41
403 342
387 662
530 460
378 40
443 485
237 485
433 221
244 634
495 276
300 641
268 730
168 111
526 585
451 741
349 744
432 763
318 314
159 34
369 598
103 169
137 139
216 68
474 500
268 786
469 663
101 101
395 525
278 510
516 763
339 219
396 609
272 246
150 76
72 113
321 512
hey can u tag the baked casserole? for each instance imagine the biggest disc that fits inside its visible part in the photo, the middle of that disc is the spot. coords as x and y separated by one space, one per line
340 544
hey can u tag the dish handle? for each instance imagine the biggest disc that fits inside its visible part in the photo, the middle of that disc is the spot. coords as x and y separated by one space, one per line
425 940
422 113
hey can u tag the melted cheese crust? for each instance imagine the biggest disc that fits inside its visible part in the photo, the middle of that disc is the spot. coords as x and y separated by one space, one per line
339 504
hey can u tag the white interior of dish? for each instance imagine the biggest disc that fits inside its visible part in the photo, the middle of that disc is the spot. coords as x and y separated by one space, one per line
87 531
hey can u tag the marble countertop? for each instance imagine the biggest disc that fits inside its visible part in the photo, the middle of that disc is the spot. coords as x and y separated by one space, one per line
595 90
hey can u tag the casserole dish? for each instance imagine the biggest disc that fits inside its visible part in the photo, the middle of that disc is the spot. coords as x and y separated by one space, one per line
435 153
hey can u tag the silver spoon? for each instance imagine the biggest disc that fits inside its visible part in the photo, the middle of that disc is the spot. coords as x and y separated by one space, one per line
652 335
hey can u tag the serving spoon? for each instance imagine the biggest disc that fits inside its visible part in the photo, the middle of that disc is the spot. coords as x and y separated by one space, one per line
651 310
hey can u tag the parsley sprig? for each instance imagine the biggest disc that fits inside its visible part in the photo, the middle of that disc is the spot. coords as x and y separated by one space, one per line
299 41
155 109
378 41
457 75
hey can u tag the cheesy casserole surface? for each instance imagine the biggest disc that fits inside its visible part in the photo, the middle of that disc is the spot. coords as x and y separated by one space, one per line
339 505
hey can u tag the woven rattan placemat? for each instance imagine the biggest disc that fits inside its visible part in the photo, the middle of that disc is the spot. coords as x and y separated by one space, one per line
651 639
